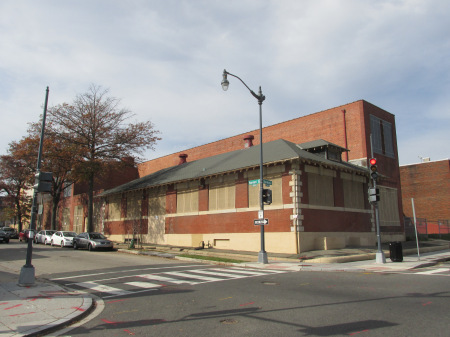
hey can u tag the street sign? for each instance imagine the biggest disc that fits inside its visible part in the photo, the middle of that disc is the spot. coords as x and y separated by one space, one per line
254 182
261 222
260 214
267 182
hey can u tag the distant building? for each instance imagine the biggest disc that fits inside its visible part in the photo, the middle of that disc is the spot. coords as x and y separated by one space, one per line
428 183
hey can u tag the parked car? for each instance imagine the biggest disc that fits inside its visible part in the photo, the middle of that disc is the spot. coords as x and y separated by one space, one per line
25 234
63 239
92 241
4 237
11 231
44 236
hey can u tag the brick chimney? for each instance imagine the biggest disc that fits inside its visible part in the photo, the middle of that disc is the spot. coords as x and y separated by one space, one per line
248 141
128 160
183 157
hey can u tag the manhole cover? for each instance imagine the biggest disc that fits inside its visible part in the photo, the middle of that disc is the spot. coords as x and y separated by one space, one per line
228 321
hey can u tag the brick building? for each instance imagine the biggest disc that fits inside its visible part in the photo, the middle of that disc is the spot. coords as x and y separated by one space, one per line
429 184
320 180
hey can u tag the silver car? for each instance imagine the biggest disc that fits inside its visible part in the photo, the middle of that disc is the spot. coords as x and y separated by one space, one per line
92 241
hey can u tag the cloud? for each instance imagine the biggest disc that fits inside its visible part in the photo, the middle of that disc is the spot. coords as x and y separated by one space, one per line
165 60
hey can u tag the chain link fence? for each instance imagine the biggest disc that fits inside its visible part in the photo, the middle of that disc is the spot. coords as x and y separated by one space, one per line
436 228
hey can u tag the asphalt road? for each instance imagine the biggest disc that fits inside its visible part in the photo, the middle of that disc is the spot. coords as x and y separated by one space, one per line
147 296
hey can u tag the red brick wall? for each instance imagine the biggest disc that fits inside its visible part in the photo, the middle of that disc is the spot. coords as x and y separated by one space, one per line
241 222
429 185
334 221
327 125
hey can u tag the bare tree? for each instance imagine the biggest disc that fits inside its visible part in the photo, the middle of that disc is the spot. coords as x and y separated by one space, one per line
96 124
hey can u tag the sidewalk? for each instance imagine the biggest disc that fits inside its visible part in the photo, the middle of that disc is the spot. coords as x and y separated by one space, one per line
47 307
38 309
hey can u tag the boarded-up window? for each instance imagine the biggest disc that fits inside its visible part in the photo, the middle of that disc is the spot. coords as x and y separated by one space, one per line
353 190
134 202
320 186
78 219
66 219
156 202
388 207
222 196
187 201
114 203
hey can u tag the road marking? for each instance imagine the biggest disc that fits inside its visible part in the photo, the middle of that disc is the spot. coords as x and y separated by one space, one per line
195 277
165 279
434 271
123 271
215 273
146 285
102 288
247 272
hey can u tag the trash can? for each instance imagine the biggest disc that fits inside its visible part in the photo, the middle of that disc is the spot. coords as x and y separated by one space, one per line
396 251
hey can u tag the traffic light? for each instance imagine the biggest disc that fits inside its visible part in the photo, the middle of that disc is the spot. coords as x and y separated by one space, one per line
374 194
43 181
373 168
267 196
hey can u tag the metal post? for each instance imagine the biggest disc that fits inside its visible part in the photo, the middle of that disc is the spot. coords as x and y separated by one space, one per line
380 258
262 255
415 228
26 277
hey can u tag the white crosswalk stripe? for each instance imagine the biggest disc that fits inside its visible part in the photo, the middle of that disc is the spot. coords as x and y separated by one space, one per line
195 277
158 280
102 288
165 279
146 285
434 271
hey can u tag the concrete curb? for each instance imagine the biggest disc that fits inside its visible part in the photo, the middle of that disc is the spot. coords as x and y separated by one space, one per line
251 258
86 309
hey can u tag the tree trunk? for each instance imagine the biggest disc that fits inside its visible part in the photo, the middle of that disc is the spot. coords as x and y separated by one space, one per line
54 214
19 211
55 202
90 225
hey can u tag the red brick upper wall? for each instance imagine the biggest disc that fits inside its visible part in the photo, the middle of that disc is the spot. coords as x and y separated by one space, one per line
327 125
429 185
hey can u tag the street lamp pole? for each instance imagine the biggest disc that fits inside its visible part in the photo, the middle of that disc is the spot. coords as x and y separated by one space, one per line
27 273
262 255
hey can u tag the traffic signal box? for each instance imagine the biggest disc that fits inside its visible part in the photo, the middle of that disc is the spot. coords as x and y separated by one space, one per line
373 168
43 181
267 196
374 195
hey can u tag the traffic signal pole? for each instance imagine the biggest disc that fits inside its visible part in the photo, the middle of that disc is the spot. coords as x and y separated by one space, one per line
380 258
374 199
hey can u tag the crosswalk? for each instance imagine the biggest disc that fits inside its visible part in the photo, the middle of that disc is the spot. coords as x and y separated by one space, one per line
123 285
435 271
432 271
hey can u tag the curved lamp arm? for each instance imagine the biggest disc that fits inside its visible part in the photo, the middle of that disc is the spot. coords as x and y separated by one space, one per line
260 97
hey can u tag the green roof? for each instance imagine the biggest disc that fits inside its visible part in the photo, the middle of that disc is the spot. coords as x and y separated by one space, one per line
276 151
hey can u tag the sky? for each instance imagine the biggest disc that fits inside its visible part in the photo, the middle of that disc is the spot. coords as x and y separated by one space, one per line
165 59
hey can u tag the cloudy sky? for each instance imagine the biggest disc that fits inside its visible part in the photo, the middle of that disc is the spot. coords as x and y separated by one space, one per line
164 60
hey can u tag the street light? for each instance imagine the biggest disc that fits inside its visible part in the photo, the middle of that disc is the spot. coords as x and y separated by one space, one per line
27 273
262 255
